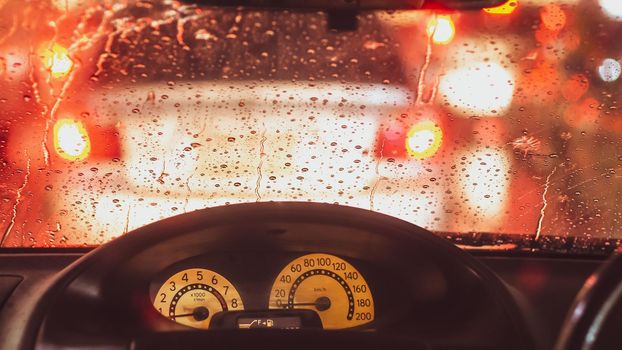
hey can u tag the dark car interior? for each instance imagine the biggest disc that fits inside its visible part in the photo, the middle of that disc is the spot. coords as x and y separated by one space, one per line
433 294
311 268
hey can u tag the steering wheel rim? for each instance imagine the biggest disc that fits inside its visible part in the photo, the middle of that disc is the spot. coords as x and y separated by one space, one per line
83 272
590 309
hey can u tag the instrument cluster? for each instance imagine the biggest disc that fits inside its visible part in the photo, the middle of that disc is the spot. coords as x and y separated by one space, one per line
314 290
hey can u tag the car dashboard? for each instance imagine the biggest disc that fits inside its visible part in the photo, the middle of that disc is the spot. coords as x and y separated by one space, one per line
304 272
282 291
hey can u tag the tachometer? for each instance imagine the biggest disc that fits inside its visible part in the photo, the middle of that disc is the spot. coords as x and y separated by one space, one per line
328 285
191 297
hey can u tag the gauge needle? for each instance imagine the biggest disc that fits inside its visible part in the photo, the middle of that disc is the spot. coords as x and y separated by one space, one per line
321 304
200 313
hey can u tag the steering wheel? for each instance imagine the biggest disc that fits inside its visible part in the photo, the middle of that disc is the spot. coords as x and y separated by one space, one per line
593 320
101 300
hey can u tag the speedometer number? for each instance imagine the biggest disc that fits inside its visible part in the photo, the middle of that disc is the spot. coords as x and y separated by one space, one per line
328 285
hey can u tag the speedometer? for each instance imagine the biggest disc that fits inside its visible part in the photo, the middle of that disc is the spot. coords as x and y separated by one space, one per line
328 285
191 297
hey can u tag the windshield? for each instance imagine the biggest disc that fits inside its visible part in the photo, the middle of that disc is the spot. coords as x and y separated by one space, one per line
497 129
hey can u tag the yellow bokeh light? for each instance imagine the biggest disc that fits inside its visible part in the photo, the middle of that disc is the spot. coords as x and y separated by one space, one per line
424 139
504 9
56 59
441 29
71 141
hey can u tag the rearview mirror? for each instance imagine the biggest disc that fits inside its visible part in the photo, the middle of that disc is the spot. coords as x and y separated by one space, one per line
357 5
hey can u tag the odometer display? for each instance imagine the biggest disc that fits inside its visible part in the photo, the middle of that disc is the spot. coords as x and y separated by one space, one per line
328 285
191 297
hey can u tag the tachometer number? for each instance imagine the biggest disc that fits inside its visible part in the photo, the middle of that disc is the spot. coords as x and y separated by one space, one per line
191 297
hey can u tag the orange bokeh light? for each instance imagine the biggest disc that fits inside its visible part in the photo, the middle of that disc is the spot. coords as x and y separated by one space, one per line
553 17
575 87
583 115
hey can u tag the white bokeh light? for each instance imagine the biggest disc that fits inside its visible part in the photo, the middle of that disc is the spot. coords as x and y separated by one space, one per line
609 70
485 184
421 140
71 139
482 88
612 8
441 29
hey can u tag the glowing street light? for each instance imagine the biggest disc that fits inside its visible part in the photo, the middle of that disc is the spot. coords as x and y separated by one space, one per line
441 29
71 141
